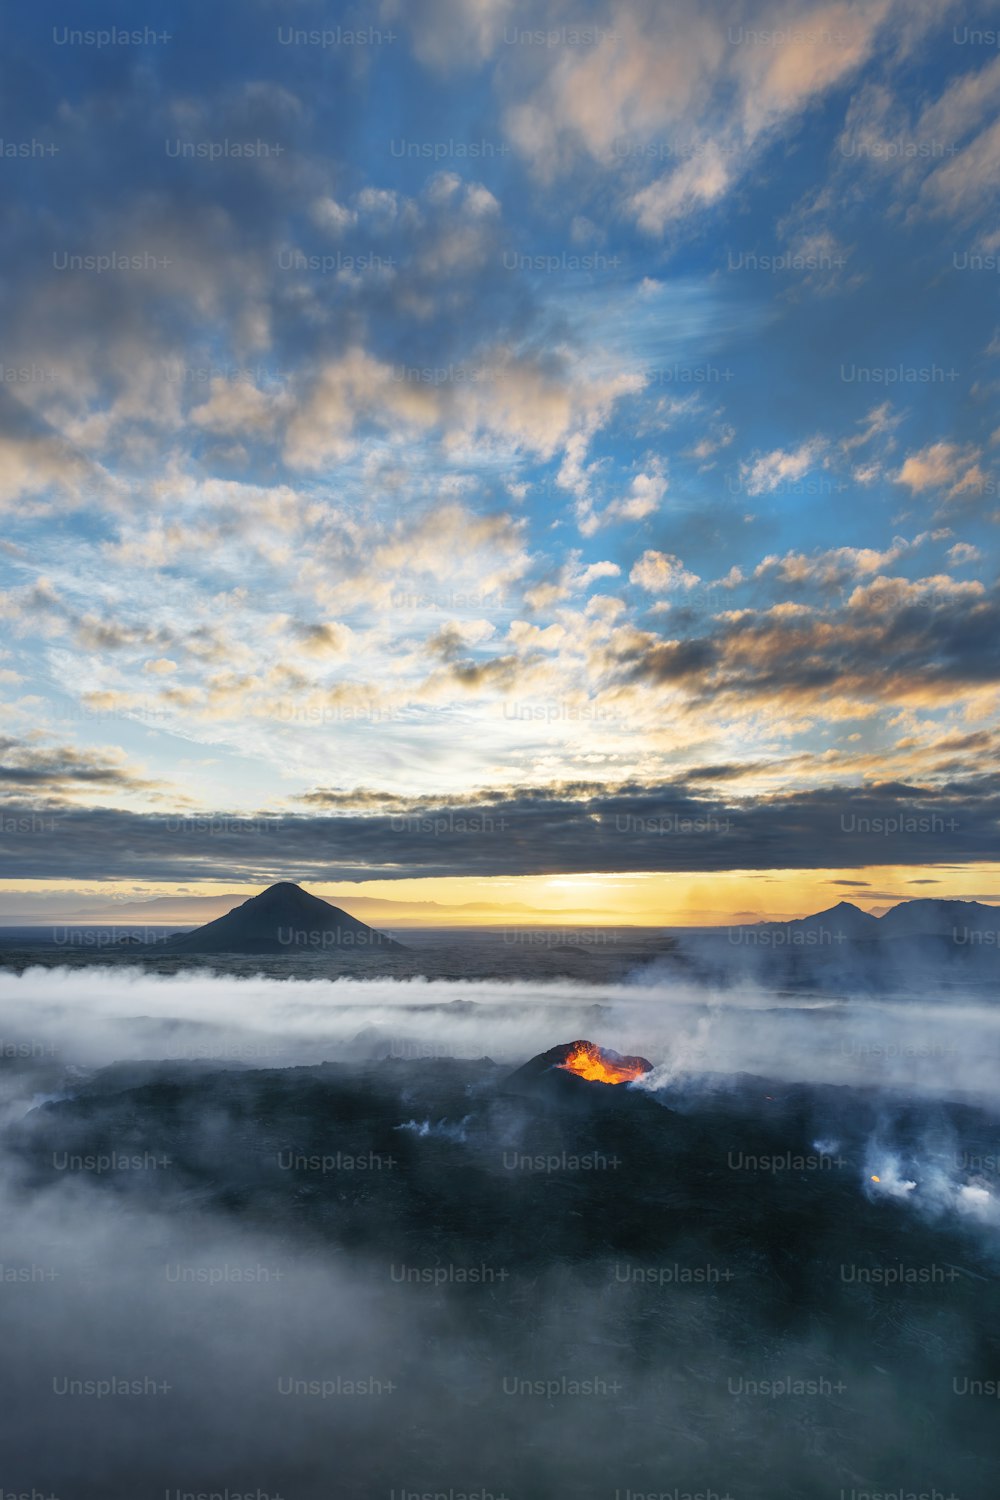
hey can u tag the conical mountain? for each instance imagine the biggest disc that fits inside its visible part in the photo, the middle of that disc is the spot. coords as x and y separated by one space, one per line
284 919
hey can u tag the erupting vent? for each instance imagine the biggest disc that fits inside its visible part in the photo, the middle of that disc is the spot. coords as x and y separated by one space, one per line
599 1066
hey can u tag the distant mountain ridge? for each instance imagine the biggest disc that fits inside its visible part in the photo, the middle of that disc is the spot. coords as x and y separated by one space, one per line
918 918
182 911
923 917
942 944
844 919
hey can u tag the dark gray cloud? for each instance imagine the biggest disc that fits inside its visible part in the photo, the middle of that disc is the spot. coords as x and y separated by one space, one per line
891 640
538 831
53 770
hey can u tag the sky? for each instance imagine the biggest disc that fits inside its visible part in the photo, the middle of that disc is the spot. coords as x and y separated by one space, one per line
500 452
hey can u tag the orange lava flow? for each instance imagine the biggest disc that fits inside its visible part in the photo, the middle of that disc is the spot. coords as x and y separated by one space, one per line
589 1062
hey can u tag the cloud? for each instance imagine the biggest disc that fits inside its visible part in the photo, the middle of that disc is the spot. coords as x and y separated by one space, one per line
574 828
530 403
58 772
958 188
838 565
35 458
695 185
333 216
660 572
708 95
236 407
593 571
942 465
881 421
891 641
450 34
964 553
324 638
643 499
457 636
373 481
768 471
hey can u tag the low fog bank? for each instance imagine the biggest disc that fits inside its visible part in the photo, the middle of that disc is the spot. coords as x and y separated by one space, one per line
57 1018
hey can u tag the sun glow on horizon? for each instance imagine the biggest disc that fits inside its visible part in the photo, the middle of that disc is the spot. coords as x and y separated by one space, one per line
646 899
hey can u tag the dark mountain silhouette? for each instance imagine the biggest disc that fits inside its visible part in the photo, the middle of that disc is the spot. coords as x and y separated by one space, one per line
926 942
283 919
844 919
925 917
933 916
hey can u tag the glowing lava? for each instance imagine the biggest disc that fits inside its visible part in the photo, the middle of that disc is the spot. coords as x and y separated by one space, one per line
597 1066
